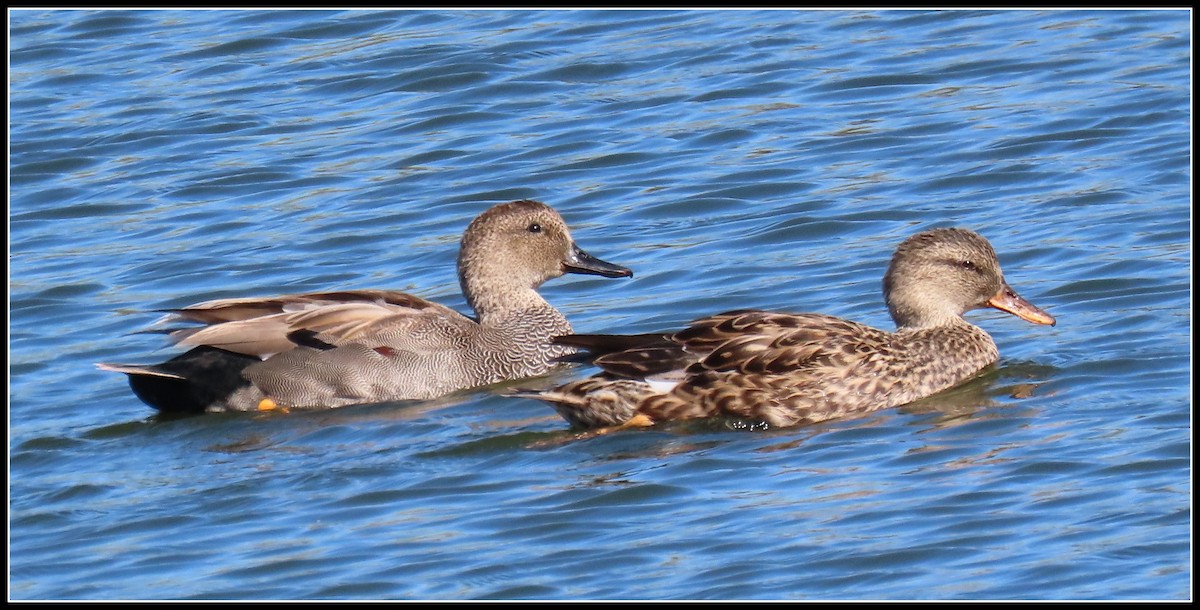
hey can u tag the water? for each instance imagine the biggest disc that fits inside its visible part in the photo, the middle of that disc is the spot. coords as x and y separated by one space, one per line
770 159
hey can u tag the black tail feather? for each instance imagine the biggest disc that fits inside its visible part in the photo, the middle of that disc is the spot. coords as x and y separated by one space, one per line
628 356
191 382
599 345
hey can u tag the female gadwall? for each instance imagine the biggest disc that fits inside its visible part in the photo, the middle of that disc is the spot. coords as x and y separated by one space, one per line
333 349
787 369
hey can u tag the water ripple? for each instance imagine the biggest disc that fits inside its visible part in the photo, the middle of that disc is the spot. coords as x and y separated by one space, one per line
732 158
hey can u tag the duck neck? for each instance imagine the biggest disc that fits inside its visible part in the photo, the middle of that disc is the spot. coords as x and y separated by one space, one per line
914 309
500 296
908 321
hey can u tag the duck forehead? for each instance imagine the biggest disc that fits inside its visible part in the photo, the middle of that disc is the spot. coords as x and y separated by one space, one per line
502 221
524 208
523 215
547 218
952 244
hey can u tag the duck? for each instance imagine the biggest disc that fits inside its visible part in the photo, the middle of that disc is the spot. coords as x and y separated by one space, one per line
779 369
333 349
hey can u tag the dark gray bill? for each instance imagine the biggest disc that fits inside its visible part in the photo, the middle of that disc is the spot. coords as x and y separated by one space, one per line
582 262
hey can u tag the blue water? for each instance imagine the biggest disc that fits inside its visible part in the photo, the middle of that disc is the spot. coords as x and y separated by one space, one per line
766 159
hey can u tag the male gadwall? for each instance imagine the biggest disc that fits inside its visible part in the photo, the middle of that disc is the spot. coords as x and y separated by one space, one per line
787 369
332 349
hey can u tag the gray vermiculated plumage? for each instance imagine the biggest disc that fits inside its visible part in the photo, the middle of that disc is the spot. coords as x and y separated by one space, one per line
788 369
415 365
330 349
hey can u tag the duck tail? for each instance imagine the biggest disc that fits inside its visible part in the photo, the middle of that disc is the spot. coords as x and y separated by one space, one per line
193 382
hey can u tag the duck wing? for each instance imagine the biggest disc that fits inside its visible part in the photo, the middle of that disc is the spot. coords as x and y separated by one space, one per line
263 327
773 343
746 338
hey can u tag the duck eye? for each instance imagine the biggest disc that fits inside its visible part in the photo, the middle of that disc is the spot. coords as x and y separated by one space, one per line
535 228
968 265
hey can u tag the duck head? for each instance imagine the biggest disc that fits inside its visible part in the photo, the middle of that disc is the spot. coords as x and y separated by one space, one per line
938 275
520 245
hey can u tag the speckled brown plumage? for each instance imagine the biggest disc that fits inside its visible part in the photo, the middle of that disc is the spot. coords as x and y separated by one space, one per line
330 349
788 369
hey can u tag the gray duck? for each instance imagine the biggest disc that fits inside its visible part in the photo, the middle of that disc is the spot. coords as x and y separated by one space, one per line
331 349
787 369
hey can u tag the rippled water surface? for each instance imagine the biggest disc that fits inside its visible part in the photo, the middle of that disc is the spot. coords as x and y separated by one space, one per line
766 159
